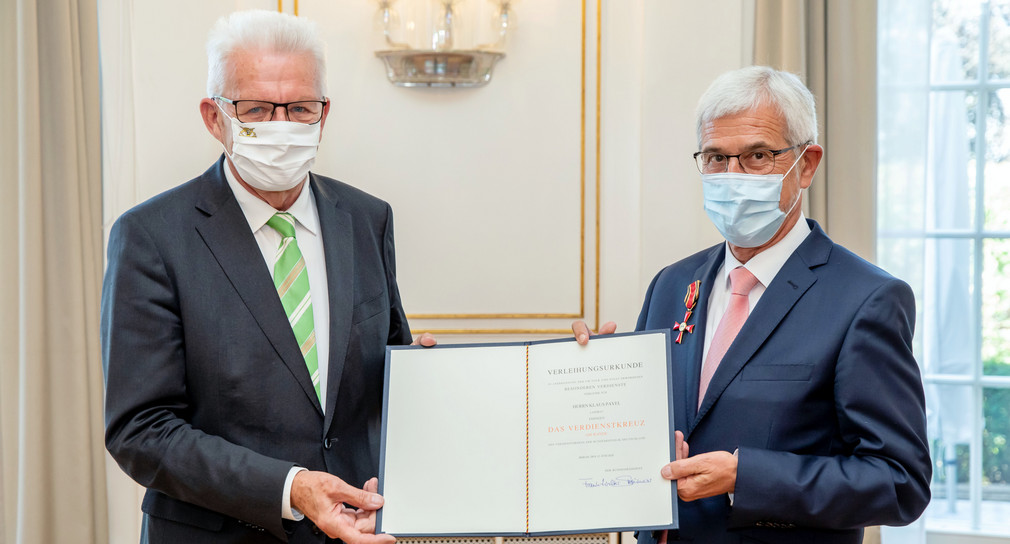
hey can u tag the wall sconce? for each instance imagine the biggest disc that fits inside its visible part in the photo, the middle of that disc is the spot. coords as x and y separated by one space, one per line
429 48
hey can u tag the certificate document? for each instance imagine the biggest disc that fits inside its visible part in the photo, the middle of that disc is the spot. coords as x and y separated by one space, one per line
528 438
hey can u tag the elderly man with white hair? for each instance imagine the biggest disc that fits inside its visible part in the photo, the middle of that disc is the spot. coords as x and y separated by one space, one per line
245 316
793 376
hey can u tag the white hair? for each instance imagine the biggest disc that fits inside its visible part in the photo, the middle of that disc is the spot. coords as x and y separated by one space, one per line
744 89
260 30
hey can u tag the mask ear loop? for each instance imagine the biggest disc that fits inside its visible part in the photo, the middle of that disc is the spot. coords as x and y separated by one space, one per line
798 193
793 165
218 104
232 122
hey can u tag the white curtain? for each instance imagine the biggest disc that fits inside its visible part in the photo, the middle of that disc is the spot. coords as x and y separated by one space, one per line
52 482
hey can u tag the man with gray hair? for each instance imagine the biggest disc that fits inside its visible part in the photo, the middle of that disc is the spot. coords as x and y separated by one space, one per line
793 376
245 316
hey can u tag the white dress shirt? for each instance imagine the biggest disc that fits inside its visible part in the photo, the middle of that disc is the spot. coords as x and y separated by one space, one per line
310 243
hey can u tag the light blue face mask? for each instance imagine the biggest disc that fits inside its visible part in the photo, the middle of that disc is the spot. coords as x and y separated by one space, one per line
745 207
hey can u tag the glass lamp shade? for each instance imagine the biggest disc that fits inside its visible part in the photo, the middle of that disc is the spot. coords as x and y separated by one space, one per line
412 68
443 43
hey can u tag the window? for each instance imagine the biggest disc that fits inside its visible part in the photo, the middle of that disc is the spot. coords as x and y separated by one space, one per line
943 217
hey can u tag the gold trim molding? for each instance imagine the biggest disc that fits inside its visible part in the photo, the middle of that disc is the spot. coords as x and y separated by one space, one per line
494 331
280 7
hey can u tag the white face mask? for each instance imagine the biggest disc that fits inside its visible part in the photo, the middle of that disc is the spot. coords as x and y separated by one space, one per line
273 155
745 207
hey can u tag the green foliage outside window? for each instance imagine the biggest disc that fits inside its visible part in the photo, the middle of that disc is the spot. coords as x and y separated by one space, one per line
996 435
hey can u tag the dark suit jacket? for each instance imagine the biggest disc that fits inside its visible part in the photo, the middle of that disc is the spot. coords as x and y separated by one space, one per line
208 401
819 392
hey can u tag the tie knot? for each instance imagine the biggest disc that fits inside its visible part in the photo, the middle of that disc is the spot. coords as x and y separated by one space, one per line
741 281
283 223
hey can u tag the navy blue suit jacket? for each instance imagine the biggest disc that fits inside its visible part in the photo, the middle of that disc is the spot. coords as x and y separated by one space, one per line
819 392
209 402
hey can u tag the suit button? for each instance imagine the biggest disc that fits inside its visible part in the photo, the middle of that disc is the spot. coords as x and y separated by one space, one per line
327 443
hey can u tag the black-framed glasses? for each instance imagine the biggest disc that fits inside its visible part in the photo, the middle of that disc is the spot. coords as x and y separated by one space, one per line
308 112
756 161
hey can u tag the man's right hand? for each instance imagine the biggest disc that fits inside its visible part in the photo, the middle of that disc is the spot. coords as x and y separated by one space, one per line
582 332
321 497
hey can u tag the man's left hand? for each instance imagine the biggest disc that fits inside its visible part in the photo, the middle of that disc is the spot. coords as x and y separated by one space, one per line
704 475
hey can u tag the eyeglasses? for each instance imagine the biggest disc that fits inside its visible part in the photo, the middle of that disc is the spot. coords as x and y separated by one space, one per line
308 112
757 161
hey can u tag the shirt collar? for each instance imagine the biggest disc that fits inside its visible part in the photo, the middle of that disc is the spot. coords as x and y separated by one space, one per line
257 212
766 265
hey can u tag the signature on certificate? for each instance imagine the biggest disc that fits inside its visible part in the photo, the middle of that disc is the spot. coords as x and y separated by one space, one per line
616 481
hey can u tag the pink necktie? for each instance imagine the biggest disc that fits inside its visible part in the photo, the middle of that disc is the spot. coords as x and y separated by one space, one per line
741 282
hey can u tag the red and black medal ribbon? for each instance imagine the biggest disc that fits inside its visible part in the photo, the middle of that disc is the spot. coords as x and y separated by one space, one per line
690 299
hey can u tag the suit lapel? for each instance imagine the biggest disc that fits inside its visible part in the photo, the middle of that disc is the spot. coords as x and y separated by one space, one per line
696 347
226 233
792 281
338 249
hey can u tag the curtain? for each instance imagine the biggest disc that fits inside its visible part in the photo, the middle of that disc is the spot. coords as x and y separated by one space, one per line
831 45
52 482
8 276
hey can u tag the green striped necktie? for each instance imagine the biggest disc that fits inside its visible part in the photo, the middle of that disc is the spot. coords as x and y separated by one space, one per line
292 282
